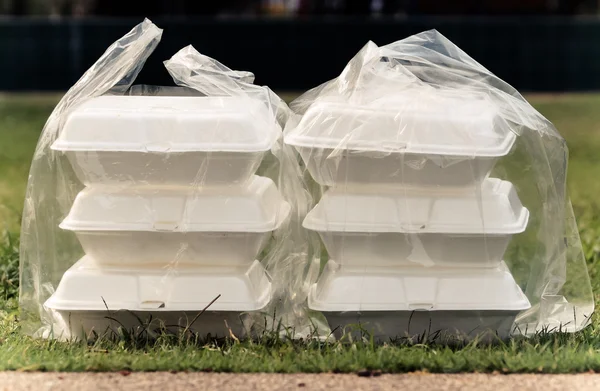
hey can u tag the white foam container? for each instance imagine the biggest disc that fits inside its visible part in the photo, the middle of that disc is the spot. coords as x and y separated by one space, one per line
221 226
167 140
443 304
91 299
428 140
390 227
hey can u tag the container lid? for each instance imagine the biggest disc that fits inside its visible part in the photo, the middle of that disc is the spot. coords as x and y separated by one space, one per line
169 124
493 208
410 289
255 207
85 287
421 122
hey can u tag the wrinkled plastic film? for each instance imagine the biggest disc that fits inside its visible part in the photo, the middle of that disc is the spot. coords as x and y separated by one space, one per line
293 257
149 204
444 198
46 251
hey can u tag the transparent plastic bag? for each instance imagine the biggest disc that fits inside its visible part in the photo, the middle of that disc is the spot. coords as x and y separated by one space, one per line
156 208
444 208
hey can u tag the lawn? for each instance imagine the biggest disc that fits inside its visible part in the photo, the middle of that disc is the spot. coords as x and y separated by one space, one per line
22 117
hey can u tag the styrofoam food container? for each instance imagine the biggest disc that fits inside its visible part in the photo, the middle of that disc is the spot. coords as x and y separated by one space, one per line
167 226
409 302
428 140
167 140
390 227
88 296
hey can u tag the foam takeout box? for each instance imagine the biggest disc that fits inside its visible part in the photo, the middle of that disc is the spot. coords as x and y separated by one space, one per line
167 140
418 139
382 226
96 300
161 227
441 304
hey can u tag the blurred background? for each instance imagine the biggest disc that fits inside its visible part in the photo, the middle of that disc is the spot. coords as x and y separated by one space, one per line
292 45
292 7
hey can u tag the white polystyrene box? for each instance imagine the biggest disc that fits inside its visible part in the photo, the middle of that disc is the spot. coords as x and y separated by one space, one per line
90 299
167 140
383 226
427 139
177 226
407 302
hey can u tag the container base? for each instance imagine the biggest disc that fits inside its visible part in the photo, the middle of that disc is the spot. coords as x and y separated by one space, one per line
91 325
446 327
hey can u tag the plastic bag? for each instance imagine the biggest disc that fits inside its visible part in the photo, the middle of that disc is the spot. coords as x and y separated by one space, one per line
444 210
164 208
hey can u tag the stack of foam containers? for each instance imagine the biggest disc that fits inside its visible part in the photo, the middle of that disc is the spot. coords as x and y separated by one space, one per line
414 227
172 214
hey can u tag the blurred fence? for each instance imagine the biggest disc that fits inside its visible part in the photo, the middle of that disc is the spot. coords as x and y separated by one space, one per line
532 54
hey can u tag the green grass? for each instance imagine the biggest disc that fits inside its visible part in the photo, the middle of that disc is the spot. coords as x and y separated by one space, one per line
545 354
22 117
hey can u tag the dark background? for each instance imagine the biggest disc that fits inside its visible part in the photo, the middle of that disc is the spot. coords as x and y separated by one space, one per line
293 45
